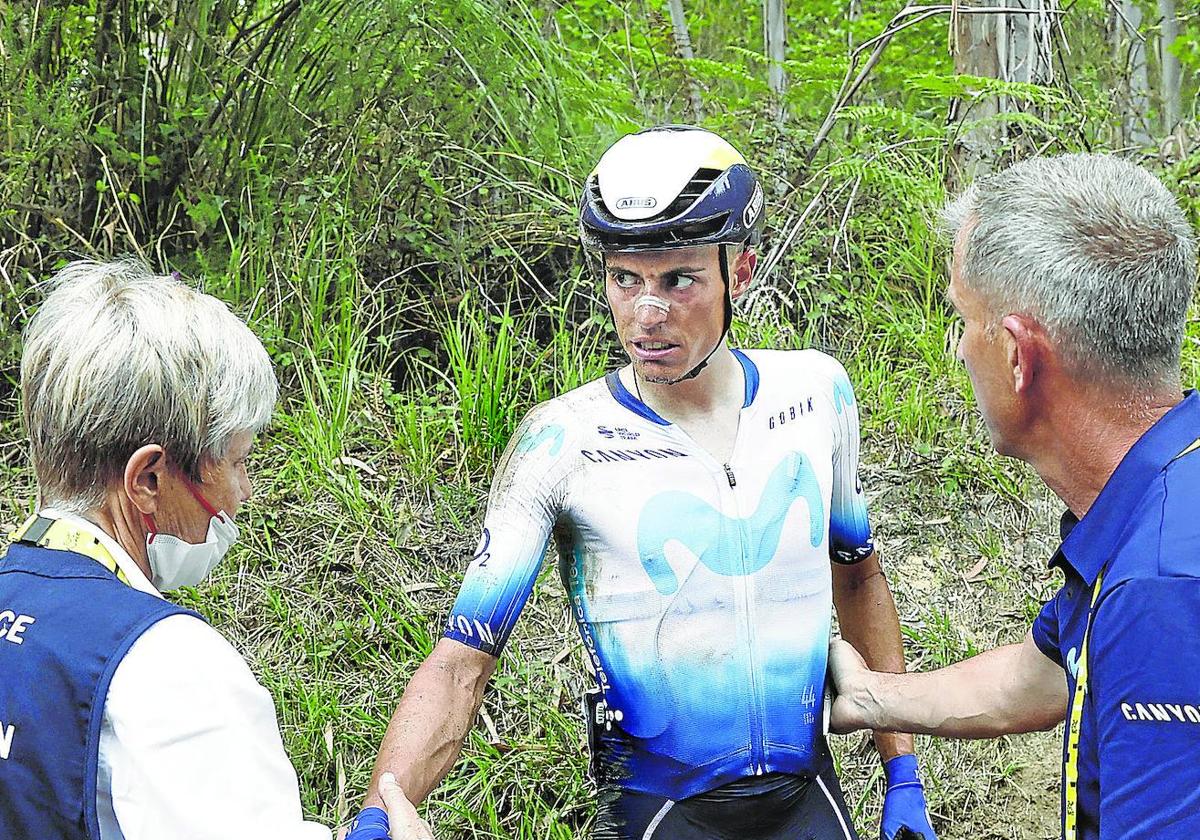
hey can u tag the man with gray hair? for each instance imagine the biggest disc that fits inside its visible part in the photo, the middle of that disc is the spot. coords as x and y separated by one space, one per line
1073 276
121 714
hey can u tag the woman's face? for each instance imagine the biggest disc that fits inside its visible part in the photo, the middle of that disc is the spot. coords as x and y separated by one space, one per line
224 484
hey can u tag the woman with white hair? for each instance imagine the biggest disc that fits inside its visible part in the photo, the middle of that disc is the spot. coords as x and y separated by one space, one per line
123 715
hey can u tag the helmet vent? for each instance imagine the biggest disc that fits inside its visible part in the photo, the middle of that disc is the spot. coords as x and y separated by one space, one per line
690 194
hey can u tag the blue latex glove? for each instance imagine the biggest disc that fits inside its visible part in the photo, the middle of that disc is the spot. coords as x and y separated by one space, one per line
371 824
905 816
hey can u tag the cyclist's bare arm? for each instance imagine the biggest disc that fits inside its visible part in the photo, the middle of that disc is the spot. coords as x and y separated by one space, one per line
436 712
868 620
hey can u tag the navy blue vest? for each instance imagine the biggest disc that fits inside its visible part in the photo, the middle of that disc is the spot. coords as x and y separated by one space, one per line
65 624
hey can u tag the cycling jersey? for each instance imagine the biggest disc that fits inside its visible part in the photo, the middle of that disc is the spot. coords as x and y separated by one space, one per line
701 589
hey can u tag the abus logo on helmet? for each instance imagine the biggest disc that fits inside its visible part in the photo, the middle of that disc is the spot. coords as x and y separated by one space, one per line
753 207
630 202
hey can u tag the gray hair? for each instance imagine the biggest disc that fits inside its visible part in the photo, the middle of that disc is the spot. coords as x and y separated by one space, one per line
1093 247
118 357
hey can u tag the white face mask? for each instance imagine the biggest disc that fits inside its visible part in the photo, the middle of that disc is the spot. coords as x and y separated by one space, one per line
175 563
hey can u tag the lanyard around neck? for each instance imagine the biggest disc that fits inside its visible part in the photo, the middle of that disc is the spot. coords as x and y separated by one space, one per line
62 535
1075 725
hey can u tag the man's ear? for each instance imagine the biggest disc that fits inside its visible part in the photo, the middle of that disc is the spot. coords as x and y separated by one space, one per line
143 472
1026 341
743 273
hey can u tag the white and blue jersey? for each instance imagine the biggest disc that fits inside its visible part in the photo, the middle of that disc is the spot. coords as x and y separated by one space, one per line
702 590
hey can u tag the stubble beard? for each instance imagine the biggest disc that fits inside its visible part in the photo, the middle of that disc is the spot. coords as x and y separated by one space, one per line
639 371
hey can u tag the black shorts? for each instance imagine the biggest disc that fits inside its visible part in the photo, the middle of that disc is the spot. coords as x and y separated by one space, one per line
773 807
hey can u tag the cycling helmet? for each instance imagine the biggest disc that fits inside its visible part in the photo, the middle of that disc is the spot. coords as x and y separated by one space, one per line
673 186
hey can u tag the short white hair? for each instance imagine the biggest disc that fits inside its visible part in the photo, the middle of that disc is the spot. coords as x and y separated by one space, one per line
118 357
1094 247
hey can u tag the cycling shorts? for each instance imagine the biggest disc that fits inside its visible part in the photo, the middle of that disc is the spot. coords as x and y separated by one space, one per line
777 806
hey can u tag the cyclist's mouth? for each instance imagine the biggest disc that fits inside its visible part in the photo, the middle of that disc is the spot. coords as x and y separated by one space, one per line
653 351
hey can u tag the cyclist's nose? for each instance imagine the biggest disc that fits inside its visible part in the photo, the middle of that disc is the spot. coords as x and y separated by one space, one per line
650 311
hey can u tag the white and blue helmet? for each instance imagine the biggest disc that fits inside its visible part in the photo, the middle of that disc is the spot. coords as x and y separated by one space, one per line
672 186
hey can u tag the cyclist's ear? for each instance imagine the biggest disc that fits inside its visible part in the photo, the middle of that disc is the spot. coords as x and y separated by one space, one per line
742 272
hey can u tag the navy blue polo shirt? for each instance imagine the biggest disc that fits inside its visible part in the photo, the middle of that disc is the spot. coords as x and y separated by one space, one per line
1139 749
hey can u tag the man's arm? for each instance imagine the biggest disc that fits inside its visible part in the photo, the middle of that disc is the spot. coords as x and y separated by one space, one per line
435 714
439 705
867 615
1011 689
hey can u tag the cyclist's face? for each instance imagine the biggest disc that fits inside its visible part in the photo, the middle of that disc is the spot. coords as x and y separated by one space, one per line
669 306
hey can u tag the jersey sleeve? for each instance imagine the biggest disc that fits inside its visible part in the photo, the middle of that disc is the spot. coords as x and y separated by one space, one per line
1142 661
523 505
850 538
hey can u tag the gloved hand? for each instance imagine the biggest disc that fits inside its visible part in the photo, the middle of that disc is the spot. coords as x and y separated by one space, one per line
371 824
905 816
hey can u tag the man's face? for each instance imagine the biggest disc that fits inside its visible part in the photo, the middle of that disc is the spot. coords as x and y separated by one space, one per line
224 483
668 306
983 350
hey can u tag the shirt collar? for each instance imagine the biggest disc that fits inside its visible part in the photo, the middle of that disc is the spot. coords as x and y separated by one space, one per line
133 572
621 394
1088 542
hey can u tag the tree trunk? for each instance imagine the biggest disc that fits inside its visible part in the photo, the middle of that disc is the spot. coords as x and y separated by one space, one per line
976 53
775 37
1015 47
1129 53
1172 106
683 45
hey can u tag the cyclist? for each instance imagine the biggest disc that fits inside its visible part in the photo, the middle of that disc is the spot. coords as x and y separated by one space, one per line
697 496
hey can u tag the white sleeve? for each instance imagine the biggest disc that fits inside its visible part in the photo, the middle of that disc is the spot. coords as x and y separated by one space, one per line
850 538
524 503
189 745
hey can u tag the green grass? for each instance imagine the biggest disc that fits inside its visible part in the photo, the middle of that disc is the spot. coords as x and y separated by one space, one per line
370 489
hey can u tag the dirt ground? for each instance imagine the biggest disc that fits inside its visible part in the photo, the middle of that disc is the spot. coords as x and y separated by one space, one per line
969 572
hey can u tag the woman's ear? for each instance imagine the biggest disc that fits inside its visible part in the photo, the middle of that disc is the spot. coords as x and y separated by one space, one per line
142 473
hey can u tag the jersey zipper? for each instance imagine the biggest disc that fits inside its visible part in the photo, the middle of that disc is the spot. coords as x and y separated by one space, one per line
757 737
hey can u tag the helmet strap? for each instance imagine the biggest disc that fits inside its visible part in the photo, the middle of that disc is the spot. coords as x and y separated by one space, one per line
723 257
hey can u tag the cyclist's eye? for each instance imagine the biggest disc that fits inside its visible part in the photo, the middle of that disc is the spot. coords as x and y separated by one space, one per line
624 279
682 281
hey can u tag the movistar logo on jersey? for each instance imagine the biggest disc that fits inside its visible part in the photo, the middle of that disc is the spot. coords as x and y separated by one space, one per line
1072 660
552 434
726 545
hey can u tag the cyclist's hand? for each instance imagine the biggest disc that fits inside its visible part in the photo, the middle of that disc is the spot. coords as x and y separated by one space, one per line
847 672
905 816
406 825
